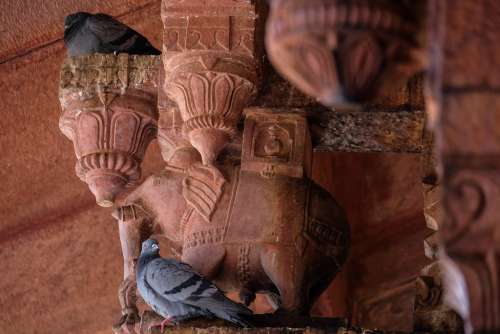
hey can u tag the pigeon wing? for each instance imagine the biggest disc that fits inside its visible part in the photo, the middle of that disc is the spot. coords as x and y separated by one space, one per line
177 281
111 32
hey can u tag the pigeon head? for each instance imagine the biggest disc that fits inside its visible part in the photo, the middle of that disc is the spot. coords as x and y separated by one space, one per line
150 246
75 19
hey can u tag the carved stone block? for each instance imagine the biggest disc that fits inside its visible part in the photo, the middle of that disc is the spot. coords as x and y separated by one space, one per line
109 112
275 144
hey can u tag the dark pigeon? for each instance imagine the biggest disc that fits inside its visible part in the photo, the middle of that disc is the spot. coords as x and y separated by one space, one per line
175 291
86 33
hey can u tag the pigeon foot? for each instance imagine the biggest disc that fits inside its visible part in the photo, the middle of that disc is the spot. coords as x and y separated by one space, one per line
165 322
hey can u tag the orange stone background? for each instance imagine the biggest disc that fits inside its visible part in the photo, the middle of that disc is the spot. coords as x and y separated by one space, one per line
60 255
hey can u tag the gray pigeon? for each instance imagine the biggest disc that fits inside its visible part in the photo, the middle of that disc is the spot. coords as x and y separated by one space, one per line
86 33
175 291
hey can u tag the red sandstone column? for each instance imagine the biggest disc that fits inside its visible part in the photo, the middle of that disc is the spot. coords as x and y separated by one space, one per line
464 109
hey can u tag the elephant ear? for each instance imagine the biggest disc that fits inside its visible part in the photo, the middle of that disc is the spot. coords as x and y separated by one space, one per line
202 189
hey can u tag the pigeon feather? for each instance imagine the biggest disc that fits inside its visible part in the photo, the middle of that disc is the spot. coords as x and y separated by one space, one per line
86 33
174 290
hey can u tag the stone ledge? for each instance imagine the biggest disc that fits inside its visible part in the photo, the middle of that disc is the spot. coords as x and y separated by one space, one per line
264 324
392 132
364 131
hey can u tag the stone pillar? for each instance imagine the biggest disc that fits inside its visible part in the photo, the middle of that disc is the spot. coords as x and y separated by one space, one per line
464 109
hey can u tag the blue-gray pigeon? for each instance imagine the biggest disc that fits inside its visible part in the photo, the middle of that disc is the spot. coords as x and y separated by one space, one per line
86 33
175 291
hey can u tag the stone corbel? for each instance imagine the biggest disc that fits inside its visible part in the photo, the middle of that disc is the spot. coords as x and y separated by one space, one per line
110 115
211 68
344 51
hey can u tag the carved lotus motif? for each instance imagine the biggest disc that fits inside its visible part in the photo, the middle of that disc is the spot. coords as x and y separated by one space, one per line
109 112
341 51
211 104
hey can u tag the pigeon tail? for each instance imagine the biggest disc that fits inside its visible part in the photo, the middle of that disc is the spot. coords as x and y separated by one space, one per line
224 308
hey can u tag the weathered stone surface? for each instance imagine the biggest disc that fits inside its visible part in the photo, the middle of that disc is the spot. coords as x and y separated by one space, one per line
366 131
398 132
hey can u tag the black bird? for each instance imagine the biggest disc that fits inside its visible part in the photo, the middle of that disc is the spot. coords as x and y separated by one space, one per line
86 33
175 291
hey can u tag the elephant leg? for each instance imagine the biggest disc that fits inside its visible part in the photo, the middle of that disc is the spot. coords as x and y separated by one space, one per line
281 268
319 283
132 233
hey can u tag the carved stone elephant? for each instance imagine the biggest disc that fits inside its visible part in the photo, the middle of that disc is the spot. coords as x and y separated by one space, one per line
250 230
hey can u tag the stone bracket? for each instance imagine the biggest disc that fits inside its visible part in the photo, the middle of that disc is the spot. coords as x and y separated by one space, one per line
211 68
344 51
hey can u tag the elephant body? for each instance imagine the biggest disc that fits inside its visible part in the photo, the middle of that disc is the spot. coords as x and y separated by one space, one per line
282 235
